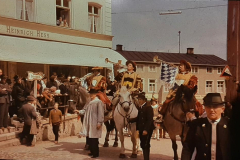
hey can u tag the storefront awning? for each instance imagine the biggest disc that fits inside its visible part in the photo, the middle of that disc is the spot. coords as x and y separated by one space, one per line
46 52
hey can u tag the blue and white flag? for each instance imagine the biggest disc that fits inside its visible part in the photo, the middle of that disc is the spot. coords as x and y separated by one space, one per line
168 73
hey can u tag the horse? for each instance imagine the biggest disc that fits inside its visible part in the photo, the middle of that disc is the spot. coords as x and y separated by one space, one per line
125 110
175 118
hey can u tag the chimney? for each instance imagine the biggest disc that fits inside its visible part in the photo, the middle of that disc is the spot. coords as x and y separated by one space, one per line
119 47
190 50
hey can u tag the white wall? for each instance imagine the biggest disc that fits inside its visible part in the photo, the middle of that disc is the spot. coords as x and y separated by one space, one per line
8 8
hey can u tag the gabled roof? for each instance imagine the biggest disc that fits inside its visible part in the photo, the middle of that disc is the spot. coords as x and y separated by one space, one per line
194 59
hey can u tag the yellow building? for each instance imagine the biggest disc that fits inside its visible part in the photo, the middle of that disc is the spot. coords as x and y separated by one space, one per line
207 68
62 36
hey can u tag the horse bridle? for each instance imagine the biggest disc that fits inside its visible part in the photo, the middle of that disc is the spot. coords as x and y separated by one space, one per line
127 117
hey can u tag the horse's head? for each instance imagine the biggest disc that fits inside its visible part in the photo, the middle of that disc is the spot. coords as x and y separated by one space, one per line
125 99
185 95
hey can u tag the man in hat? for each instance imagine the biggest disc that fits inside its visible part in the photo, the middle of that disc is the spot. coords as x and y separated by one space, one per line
5 92
18 94
29 113
145 124
131 78
97 81
92 123
183 77
210 136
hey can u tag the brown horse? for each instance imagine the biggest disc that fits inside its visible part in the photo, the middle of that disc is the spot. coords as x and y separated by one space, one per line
175 118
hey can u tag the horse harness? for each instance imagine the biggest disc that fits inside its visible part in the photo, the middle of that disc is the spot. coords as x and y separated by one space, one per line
127 116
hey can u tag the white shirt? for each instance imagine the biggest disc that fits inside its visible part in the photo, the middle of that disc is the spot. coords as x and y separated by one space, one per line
214 138
142 105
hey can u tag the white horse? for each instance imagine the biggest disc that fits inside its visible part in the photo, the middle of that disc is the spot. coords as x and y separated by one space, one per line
124 110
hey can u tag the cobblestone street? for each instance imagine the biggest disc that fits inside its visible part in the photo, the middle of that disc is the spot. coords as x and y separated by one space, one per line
72 148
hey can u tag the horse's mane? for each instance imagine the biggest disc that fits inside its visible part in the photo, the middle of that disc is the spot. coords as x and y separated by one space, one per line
187 92
123 89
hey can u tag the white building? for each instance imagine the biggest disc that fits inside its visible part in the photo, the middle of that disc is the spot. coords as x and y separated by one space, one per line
31 40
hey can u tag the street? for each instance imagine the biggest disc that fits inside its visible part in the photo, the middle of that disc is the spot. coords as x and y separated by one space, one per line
72 148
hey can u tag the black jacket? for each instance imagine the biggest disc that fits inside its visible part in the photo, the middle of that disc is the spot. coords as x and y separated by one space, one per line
18 92
28 113
144 119
200 136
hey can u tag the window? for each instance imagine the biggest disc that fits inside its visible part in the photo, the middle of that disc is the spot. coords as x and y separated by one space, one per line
166 88
194 69
94 22
62 13
209 86
220 85
25 10
152 85
219 70
152 68
139 68
143 83
209 70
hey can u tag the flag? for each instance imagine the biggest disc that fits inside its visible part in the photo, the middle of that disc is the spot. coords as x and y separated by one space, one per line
168 73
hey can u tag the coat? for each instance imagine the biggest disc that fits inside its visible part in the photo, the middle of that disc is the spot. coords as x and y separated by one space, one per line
94 115
4 95
28 113
144 119
18 92
199 137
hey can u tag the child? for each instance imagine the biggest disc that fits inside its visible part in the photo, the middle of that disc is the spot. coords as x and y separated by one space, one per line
55 119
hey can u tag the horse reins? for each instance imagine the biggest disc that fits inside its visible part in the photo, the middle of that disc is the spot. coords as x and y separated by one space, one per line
127 117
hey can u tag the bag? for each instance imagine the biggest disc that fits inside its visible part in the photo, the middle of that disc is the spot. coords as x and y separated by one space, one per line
33 129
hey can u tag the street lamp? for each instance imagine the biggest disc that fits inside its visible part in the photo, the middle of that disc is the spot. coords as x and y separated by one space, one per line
170 12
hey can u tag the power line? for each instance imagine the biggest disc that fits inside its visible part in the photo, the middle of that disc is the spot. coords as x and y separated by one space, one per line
182 9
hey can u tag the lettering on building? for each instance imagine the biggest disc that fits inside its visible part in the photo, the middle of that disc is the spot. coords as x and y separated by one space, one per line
26 32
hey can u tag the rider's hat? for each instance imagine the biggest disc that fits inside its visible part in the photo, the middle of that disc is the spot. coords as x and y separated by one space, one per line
133 63
213 100
186 64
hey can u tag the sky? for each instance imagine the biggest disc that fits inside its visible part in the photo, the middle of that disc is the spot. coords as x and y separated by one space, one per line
137 25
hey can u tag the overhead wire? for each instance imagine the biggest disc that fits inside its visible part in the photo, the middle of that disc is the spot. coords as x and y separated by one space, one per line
182 9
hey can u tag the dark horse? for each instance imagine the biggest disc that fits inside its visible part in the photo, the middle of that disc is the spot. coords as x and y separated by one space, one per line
175 117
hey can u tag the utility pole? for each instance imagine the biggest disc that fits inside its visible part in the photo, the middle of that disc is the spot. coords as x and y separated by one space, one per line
179 32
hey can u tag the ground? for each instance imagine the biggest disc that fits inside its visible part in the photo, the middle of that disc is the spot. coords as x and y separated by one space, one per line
72 148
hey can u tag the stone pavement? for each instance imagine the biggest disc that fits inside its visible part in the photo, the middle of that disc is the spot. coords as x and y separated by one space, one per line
72 148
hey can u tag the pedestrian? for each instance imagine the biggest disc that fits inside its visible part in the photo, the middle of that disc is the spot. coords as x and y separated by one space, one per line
29 114
145 124
5 92
210 136
156 118
55 119
92 122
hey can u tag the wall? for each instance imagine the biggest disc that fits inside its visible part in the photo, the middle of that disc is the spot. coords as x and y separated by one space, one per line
233 44
8 8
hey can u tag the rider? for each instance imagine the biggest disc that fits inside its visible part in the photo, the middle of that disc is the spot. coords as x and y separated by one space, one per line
183 78
131 78
97 81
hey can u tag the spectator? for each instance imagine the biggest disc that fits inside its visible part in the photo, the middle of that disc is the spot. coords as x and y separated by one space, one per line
1 74
18 94
210 135
52 82
111 88
92 122
5 92
55 119
29 113
60 22
65 24
43 83
156 118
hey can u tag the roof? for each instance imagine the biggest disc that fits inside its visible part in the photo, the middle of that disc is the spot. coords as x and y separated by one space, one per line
194 59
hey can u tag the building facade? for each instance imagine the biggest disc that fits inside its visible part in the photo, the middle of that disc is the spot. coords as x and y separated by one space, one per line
233 46
207 68
63 36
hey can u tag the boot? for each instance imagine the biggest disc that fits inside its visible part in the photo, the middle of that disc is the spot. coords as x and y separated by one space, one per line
146 152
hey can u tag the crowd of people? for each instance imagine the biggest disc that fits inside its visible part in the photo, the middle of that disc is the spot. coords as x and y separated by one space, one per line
62 22
207 126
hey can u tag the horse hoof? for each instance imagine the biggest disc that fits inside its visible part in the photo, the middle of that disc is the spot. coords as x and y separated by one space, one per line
134 156
115 144
122 156
106 145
